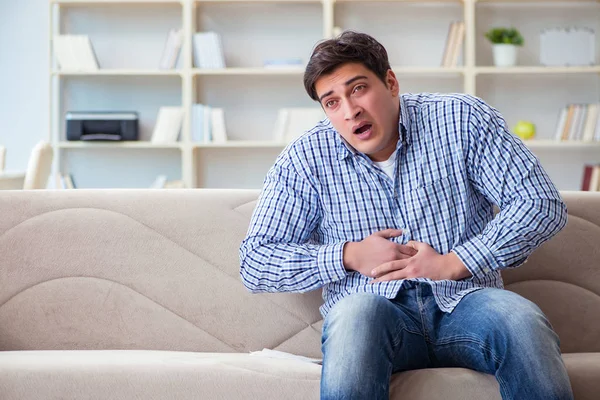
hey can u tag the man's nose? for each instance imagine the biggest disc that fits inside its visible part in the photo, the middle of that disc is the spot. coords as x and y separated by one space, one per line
352 111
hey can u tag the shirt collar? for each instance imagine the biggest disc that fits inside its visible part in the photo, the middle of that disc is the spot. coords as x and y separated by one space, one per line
346 150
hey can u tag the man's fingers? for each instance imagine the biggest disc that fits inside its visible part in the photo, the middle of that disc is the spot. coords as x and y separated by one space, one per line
388 267
407 250
393 276
388 233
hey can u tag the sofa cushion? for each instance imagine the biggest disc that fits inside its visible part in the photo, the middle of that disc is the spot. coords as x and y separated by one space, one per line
139 374
136 374
584 372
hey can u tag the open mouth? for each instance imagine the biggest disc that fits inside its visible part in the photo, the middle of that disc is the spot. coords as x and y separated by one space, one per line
362 129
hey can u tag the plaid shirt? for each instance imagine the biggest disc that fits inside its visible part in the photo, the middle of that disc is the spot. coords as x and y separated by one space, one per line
455 160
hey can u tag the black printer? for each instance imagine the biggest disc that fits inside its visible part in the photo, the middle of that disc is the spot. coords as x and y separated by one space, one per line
113 126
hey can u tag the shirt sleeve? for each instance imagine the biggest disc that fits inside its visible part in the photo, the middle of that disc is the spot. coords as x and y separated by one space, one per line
277 255
503 170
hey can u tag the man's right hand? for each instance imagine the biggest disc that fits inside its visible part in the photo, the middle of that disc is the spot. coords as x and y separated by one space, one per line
375 250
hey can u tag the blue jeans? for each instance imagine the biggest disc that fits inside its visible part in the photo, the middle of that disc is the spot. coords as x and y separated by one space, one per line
366 338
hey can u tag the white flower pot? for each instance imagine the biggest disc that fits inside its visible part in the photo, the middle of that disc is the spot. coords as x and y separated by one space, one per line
505 55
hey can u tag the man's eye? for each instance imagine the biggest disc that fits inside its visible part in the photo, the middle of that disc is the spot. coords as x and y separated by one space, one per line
330 103
359 88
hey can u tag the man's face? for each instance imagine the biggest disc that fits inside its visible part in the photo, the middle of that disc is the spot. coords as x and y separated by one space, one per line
362 108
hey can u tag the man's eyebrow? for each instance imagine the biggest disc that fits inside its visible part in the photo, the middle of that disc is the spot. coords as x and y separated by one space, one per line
348 82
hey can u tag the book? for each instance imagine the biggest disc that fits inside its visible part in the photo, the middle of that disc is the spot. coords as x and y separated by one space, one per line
449 40
590 122
201 123
172 49
74 53
293 122
587 176
217 125
159 182
560 126
457 42
568 122
208 50
168 125
85 53
594 183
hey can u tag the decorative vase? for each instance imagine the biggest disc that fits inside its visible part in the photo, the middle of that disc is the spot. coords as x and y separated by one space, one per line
505 55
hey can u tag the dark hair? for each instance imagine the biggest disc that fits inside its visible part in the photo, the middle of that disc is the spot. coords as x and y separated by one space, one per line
349 47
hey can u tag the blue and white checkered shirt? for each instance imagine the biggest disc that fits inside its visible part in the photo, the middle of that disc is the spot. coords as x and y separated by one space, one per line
455 160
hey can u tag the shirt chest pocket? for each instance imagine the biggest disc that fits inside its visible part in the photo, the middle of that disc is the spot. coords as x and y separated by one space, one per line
434 209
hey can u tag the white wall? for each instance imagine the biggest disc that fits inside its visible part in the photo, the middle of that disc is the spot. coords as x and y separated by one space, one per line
24 81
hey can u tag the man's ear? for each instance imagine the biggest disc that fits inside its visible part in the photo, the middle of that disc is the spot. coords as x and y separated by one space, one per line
392 82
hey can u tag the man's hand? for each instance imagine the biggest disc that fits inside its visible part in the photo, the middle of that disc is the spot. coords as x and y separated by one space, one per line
374 251
427 263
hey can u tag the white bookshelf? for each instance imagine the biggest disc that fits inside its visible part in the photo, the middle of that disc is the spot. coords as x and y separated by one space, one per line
413 31
249 71
118 145
119 72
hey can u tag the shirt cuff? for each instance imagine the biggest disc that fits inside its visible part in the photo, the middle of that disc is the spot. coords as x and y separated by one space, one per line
330 261
477 257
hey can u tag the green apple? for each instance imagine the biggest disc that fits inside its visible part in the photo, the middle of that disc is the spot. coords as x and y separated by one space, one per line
524 129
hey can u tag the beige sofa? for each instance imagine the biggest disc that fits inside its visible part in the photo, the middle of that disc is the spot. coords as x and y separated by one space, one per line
135 294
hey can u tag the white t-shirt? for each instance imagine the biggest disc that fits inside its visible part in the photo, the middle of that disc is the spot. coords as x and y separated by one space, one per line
388 166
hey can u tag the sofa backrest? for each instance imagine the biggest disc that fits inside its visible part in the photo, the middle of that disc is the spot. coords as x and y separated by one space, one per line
563 276
159 269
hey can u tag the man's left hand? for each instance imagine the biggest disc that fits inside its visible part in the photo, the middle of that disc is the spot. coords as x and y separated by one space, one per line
427 263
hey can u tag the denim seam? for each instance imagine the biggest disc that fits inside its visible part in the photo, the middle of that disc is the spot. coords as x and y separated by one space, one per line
471 340
503 388
400 329
420 304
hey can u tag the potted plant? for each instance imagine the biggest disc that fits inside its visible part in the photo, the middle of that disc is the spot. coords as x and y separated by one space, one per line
505 42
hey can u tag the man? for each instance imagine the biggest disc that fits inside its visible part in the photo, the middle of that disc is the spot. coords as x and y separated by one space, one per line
388 205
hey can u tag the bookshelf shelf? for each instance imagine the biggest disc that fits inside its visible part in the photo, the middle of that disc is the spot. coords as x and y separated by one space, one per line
441 71
249 71
257 1
536 1
120 72
400 1
538 70
114 2
118 145
241 144
558 144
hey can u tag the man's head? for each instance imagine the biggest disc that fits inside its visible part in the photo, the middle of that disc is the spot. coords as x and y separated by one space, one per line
350 76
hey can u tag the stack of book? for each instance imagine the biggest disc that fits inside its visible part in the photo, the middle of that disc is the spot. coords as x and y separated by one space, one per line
579 122
591 178
208 124
208 50
74 53
454 43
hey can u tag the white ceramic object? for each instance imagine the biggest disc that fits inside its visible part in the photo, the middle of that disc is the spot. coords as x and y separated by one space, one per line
505 55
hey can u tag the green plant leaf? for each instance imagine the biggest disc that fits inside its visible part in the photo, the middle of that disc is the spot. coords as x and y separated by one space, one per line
505 36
